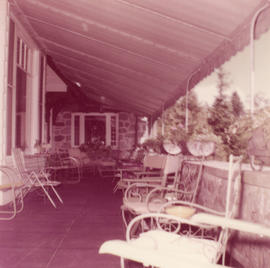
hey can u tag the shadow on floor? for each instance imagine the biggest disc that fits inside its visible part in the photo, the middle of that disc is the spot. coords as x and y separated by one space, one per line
69 236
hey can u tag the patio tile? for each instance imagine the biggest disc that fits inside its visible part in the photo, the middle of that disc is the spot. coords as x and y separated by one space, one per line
22 257
22 239
91 239
68 236
72 258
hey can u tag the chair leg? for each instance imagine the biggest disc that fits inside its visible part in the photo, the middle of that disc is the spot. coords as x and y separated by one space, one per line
46 192
40 184
56 193
43 174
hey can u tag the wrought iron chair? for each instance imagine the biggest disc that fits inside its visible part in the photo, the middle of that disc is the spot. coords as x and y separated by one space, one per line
151 240
184 187
36 177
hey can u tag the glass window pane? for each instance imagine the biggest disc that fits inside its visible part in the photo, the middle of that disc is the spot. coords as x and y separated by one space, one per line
18 50
76 130
11 52
20 108
9 120
95 129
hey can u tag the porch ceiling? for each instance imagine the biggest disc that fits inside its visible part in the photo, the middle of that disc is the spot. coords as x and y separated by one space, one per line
139 55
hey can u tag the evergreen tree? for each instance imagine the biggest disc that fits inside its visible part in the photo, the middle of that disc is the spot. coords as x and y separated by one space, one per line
175 117
237 105
220 114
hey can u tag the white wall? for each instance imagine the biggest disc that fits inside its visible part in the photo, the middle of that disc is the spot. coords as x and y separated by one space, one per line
53 82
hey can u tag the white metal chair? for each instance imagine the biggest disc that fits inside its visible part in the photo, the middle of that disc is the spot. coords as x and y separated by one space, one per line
147 197
12 192
151 172
35 178
200 233
64 167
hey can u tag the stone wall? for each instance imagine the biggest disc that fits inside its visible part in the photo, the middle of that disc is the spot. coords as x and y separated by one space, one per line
127 132
61 134
246 250
61 140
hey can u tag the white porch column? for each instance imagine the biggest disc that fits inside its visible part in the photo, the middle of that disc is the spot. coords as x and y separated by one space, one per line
35 99
3 75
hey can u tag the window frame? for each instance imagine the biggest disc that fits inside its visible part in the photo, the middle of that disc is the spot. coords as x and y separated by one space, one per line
82 117
27 61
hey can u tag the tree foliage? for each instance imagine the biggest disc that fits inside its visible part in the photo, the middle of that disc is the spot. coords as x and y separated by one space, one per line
237 105
225 122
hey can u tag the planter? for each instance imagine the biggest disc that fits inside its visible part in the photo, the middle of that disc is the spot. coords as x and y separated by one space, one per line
201 148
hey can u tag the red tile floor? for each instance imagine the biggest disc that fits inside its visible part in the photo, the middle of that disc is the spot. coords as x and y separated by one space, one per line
69 236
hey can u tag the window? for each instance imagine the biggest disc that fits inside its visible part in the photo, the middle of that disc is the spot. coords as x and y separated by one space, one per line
22 52
19 91
20 108
95 127
10 86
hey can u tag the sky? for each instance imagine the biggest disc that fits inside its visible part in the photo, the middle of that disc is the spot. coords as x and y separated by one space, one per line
238 74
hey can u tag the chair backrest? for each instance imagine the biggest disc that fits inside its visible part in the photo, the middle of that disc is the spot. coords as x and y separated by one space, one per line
172 166
189 179
232 198
233 187
18 160
155 161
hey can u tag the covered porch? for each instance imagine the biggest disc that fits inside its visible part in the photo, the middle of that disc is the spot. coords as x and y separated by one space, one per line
68 65
70 235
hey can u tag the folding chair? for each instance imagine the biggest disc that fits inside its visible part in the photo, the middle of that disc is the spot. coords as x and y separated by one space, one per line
35 178
151 240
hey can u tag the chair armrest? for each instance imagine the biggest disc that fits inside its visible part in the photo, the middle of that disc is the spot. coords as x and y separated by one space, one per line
11 174
240 225
143 180
135 187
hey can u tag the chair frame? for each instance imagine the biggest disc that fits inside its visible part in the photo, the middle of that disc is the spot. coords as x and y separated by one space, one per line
221 221
16 187
35 178
151 171
186 176
65 163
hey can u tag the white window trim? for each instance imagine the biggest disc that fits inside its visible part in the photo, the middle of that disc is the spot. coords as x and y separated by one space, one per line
32 86
82 125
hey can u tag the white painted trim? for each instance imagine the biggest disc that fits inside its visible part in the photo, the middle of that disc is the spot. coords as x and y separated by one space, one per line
82 127
21 32
43 100
34 99
108 129
3 75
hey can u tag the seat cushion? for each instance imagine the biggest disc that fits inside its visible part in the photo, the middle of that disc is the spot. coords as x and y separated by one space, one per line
141 207
174 245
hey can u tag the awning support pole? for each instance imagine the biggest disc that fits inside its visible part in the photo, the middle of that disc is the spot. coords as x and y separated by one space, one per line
252 56
187 95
